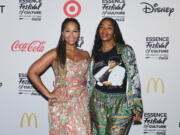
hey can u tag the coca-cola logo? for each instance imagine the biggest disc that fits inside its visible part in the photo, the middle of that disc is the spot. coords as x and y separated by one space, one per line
34 46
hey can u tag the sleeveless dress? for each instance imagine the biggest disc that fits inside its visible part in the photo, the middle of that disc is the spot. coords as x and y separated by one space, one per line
69 115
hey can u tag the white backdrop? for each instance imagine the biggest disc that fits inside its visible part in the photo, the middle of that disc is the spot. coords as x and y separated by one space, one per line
29 28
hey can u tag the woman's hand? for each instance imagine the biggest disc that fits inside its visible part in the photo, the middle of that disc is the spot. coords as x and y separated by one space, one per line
55 93
137 118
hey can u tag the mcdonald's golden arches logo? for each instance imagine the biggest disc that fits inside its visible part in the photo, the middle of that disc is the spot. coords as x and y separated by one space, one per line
29 117
156 82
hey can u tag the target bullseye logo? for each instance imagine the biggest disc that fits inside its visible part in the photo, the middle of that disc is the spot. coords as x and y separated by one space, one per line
72 8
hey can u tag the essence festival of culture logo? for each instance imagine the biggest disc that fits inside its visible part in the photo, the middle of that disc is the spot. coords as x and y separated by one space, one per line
30 10
155 8
72 8
157 48
113 9
155 123
34 46
25 86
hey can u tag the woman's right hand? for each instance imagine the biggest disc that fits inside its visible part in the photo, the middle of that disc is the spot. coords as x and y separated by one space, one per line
55 93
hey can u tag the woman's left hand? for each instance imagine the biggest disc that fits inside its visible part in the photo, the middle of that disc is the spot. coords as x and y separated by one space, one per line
137 117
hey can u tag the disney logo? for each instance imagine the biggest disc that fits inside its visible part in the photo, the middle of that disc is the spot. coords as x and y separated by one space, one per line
156 9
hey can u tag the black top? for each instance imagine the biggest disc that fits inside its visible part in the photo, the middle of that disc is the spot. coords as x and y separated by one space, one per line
115 76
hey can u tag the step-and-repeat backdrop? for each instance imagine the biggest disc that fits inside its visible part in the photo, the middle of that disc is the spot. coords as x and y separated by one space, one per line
29 28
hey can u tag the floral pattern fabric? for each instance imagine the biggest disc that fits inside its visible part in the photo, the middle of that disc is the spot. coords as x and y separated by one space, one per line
69 115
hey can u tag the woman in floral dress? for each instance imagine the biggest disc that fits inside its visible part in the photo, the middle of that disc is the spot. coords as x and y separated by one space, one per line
68 102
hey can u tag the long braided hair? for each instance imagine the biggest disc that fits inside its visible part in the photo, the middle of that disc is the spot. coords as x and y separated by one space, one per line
61 47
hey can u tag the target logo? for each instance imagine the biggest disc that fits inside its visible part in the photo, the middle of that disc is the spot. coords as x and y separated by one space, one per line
72 8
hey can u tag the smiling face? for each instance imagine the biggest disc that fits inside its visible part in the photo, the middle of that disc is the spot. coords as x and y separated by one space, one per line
71 33
106 30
